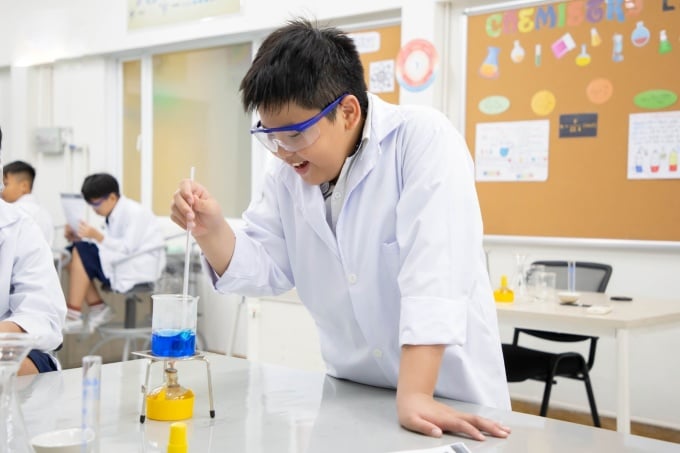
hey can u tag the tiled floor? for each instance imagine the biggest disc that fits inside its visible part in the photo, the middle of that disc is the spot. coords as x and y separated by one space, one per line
640 429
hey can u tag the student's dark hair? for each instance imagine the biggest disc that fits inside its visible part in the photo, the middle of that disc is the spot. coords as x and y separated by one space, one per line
306 65
99 185
19 167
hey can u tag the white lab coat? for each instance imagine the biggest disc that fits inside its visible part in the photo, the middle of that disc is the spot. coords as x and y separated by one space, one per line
132 229
30 292
406 265
29 204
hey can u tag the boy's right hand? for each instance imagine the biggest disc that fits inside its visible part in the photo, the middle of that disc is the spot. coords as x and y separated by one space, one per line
70 235
194 208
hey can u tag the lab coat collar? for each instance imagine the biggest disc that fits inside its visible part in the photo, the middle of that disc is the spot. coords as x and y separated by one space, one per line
382 119
117 208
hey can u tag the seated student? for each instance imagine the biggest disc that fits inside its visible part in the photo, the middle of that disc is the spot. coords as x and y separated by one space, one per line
18 179
130 228
31 299
370 212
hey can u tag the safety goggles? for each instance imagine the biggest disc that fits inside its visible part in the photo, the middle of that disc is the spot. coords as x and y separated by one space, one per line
294 137
97 203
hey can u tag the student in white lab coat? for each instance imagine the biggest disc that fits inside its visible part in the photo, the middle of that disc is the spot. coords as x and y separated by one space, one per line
130 229
18 178
31 299
371 213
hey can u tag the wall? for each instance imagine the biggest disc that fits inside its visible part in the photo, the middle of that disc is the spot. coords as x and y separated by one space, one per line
42 31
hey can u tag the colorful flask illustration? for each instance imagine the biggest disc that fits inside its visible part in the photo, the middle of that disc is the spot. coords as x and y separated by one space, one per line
595 39
664 45
617 53
640 35
583 59
517 54
537 55
673 160
489 68
654 162
638 162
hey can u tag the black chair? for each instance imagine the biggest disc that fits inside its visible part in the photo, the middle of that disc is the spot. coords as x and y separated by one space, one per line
524 363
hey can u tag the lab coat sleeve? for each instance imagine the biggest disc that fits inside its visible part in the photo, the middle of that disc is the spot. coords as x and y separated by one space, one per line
260 265
36 300
439 231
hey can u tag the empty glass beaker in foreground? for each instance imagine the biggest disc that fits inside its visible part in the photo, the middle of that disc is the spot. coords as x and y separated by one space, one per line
173 325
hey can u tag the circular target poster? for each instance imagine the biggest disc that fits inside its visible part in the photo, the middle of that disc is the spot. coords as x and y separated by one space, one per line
416 65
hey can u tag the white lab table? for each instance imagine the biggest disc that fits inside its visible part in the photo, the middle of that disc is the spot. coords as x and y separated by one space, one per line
272 409
625 318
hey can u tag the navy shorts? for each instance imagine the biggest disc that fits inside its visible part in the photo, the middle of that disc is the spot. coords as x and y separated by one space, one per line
89 255
42 361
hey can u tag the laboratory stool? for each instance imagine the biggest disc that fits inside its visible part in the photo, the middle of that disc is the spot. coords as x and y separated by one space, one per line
128 330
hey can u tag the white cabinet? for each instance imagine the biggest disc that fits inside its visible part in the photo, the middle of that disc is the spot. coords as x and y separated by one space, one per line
282 332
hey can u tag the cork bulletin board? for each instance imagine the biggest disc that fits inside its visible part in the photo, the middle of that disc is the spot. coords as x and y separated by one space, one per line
573 84
378 49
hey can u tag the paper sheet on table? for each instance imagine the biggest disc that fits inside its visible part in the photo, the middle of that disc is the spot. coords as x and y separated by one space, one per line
458 447
74 209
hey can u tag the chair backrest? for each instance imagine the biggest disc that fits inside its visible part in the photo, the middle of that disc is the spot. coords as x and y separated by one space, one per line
589 276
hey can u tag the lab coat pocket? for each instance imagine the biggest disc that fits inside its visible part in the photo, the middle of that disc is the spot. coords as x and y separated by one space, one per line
389 260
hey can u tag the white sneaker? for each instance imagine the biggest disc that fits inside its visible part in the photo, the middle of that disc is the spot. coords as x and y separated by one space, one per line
99 316
73 325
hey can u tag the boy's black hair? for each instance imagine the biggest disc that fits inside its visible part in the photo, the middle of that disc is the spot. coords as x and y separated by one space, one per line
306 65
19 167
99 185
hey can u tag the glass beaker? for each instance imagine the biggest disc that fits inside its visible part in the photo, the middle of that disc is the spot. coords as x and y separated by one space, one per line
545 286
519 282
173 325
489 68
14 347
533 281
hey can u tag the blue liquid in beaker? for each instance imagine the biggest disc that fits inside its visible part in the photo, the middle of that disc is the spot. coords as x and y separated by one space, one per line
173 343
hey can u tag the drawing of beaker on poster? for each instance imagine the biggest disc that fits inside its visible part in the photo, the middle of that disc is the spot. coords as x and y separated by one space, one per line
654 145
512 151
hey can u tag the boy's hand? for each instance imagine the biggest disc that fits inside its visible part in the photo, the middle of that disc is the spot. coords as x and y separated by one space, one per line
85 230
421 413
417 409
70 235
193 207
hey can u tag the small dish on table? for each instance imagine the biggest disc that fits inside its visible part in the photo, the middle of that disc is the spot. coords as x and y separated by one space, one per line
568 297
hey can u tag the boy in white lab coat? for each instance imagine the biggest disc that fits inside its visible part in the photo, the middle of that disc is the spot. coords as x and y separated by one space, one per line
31 299
18 178
371 213
130 228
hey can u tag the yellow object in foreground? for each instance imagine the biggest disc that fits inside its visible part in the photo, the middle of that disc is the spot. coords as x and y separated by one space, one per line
504 293
178 438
